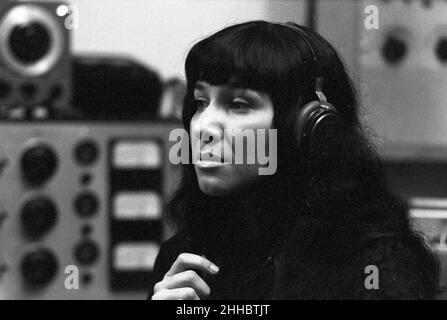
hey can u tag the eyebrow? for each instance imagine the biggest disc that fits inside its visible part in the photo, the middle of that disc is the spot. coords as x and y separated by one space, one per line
200 85
233 84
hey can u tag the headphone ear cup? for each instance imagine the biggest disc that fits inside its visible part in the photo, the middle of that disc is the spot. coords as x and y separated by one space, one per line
319 131
302 120
326 140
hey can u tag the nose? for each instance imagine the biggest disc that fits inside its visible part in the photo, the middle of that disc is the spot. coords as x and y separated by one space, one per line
209 124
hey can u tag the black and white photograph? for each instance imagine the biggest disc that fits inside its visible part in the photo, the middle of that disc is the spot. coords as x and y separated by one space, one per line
239 151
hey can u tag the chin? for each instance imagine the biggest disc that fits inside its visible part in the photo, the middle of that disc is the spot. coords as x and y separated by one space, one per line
214 188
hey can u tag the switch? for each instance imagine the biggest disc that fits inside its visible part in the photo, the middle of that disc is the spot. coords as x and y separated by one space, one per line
441 49
3 267
3 215
3 160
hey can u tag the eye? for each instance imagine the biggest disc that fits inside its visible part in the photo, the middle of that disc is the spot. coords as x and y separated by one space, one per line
200 104
239 104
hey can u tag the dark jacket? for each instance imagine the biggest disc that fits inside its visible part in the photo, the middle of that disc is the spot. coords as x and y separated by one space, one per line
406 270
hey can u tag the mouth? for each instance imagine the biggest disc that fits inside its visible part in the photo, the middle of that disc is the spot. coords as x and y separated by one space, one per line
210 160
207 164
211 157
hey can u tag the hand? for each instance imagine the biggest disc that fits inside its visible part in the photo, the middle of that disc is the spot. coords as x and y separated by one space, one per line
182 283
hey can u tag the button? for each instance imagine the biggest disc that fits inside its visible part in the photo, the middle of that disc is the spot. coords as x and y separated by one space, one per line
86 204
28 90
86 152
3 160
87 278
86 230
85 179
86 252
3 215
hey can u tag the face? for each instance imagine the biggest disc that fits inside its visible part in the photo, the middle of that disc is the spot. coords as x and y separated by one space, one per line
225 114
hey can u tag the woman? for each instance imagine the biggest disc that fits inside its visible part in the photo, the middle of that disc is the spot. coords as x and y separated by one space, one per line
324 225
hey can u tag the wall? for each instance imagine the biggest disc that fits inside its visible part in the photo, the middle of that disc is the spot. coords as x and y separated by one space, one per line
160 33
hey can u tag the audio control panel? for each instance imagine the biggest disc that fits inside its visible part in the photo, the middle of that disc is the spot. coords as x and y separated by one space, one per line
81 207
402 66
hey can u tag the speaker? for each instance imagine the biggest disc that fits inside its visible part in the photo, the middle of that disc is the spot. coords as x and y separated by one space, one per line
34 55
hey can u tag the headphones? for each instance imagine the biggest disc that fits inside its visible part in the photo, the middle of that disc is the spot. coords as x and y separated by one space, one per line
317 122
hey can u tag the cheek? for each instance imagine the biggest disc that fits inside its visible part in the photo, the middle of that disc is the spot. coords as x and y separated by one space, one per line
194 134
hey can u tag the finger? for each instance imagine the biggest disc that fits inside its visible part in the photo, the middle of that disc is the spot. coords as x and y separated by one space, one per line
187 261
187 278
176 294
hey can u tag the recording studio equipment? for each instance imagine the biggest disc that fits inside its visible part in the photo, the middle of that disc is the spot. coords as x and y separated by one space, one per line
174 90
34 55
87 195
404 75
114 87
401 70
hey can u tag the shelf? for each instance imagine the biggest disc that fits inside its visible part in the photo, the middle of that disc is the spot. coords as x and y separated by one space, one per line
413 152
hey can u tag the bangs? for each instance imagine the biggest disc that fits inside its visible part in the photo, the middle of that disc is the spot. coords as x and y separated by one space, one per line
247 56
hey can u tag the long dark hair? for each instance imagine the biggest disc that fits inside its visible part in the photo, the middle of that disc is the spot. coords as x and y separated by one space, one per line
307 204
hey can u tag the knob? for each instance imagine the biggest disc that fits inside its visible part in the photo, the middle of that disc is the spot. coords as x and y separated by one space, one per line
441 50
5 89
56 92
28 90
394 49
38 164
3 215
86 152
3 267
86 252
39 267
38 217
86 204
3 158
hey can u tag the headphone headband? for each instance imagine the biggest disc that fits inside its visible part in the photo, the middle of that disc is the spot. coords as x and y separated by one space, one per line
302 34
318 80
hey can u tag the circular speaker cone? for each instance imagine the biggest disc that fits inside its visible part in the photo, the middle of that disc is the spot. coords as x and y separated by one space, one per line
31 40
